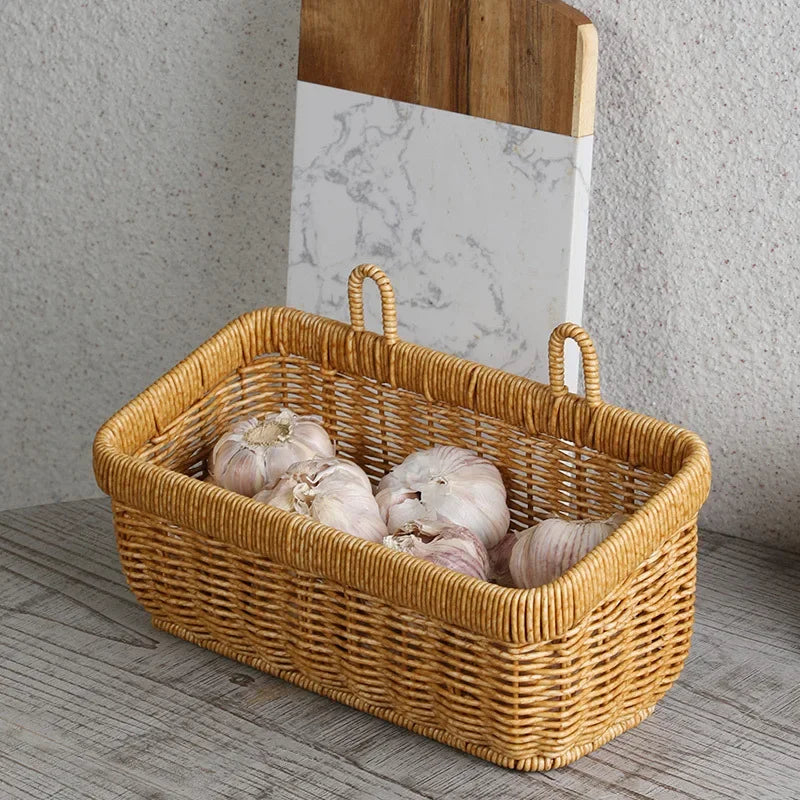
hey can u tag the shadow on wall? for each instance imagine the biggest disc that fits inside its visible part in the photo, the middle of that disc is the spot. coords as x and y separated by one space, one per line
147 151
213 210
693 243
201 107
628 217
626 211
251 164
237 118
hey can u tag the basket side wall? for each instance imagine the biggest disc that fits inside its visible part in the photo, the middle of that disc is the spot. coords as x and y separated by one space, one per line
530 706
380 402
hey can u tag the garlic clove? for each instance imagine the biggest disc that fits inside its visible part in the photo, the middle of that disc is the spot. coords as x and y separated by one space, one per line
545 551
499 557
332 469
243 472
405 511
355 514
471 515
255 453
428 529
446 483
443 543
313 436
280 496
334 492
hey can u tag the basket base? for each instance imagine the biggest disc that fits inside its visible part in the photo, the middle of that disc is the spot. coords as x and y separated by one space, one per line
529 764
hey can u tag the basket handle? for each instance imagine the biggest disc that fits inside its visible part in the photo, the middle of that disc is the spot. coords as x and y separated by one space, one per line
591 367
355 295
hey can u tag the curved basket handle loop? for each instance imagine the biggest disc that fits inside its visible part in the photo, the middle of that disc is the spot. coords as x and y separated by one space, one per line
591 367
355 295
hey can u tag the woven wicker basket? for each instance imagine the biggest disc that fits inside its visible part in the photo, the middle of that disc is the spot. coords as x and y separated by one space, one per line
530 679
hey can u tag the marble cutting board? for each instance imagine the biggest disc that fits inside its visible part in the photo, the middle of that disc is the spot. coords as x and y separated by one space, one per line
450 143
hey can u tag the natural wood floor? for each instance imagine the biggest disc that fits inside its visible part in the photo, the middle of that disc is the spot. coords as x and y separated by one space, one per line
94 703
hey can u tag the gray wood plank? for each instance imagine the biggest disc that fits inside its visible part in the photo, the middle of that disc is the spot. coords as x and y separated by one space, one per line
95 703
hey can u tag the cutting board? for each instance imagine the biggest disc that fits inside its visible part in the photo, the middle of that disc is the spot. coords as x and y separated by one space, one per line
450 142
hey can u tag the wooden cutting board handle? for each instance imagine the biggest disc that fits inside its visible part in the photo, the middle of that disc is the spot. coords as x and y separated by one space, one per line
526 62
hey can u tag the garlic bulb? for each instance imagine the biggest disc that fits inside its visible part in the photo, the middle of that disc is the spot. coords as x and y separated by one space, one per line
443 543
256 453
446 483
549 549
332 491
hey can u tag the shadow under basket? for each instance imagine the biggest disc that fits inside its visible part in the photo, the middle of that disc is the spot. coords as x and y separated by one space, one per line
527 678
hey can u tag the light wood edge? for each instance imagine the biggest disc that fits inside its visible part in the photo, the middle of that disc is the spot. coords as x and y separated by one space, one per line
585 92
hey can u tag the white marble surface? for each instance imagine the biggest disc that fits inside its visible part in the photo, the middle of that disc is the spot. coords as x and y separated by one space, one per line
480 225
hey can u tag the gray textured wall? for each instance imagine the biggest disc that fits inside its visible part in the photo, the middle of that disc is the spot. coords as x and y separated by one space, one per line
694 244
146 165
146 156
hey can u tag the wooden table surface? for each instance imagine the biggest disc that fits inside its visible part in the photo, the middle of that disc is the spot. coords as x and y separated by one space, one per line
94 703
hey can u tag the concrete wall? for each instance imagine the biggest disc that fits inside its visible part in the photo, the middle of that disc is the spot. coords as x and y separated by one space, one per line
146 165
146 155
694 239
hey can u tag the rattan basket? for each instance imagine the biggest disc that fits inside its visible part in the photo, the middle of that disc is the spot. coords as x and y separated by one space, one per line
530 679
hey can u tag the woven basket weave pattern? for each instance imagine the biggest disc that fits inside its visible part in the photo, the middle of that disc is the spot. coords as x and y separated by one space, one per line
529 679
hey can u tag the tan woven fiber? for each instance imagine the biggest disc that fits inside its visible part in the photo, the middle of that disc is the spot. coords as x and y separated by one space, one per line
530 679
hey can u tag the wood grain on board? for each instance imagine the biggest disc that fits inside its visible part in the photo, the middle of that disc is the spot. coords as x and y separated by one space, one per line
525 62
95 703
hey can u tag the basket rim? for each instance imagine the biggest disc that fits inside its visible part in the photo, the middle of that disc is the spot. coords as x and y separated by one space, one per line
520 616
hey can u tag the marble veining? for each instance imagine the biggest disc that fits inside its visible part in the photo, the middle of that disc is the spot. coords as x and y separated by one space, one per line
480 225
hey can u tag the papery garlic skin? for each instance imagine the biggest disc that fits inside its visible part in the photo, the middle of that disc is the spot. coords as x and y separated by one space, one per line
255 454
334 492
499 558
441 542
547 550
446 483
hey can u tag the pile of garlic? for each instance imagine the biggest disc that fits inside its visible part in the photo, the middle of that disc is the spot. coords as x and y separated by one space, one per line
446 505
